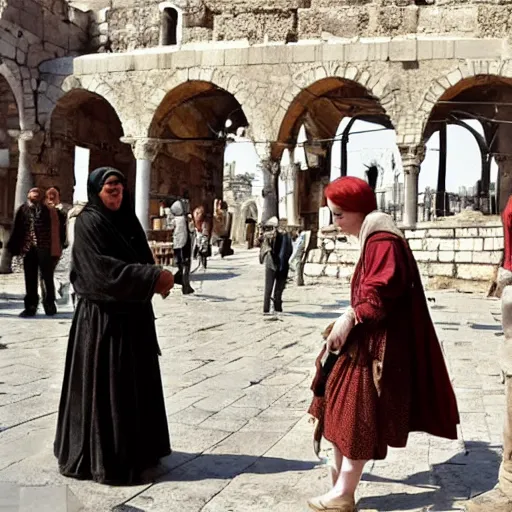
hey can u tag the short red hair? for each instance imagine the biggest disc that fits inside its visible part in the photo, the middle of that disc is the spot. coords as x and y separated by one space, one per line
351 195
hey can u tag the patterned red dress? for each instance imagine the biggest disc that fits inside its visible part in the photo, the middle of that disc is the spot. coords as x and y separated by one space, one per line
391 378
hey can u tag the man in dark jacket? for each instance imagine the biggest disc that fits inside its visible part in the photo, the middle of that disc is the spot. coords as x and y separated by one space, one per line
275 252
31 239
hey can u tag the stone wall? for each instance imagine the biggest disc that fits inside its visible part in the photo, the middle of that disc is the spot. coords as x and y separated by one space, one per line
449 255
263 21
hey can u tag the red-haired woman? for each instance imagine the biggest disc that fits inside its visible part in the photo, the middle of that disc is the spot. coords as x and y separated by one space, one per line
390 377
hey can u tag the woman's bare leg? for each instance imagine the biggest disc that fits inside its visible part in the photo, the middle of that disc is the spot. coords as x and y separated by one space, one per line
336 467
348 480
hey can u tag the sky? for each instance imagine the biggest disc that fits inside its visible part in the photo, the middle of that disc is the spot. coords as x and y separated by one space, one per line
463 159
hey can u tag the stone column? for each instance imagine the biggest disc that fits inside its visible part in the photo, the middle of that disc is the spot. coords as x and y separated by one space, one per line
292 198
145 151
24 182
270 170
412 156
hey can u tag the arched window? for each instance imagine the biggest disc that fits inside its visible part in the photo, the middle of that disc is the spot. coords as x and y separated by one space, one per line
169 31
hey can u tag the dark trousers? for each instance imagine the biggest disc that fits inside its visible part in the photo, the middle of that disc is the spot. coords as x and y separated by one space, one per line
39 261
275 283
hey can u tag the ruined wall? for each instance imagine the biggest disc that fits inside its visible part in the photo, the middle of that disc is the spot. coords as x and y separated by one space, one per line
450 254
260 21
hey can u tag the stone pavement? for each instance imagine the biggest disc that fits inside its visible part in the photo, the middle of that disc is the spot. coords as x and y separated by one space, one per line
237 389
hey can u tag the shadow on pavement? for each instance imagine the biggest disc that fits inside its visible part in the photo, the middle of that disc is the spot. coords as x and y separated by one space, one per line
226 466
213 277
484 327
65 315
213 298
466 475
307 314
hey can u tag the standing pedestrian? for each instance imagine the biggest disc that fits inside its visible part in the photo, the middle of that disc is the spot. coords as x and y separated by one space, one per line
72 216
203 247
275 252
59 236
31 238
112 424
182 245
389 376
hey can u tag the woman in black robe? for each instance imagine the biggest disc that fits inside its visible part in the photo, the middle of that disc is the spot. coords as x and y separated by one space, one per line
112 423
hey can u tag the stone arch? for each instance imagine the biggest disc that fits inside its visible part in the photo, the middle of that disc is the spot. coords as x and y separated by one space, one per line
459 78
480 91
96 85
323 79
300 102
191 125
10 128
10 72
85 119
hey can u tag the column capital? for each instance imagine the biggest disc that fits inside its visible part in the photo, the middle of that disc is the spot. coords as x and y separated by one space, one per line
412 156
21 134
143 149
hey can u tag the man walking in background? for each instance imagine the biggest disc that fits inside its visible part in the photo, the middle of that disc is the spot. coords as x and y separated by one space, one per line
31 238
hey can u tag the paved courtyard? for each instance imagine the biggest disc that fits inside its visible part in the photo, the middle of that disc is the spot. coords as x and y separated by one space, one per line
237 388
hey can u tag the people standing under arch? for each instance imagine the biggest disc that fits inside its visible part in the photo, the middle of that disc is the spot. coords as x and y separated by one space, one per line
58 228
203 248
182 244
275 252
31 239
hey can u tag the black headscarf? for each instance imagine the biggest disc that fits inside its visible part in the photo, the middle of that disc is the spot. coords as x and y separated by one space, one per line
123 220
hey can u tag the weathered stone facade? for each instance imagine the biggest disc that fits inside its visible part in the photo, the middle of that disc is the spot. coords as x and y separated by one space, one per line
266 67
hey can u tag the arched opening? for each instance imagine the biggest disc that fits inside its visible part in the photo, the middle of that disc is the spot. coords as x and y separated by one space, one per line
169 27
468 165
193 123
84 134
319 127
9 153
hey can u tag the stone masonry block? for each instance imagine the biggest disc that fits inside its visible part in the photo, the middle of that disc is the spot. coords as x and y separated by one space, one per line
425 49
478 48
331 271
425 256
493 257
305 53
403 50
455 77
488 244
443 48
475 272
416 244
469 244
275 54
440 233
441 269
212 58
490 232
417 233
464 257
447 245
333 52
498 243
466 232
357 52
236 57
446 256
431 244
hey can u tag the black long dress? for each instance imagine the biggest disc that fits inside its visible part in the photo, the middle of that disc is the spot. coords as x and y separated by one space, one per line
112 422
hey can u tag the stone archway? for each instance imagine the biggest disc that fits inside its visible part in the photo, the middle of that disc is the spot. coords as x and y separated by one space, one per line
487 99
9 159
191 127
318 110
87 120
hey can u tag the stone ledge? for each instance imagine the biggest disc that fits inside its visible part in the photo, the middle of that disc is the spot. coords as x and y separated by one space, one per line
397 49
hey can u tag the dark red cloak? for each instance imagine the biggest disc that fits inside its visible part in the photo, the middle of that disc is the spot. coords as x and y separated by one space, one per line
392 379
